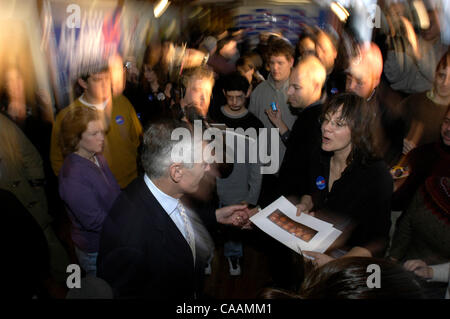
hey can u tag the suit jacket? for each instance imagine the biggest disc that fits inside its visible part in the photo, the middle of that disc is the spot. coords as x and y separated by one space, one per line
142 253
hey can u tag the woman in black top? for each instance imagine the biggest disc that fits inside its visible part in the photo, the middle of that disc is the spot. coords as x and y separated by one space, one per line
347 184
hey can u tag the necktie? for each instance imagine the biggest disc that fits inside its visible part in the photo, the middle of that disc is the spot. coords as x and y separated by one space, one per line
188 228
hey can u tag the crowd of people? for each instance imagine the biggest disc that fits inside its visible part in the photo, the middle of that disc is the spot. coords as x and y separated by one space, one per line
105 192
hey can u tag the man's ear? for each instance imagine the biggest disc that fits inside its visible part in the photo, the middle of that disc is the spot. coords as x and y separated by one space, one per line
82 83
176 172
291 61
248 92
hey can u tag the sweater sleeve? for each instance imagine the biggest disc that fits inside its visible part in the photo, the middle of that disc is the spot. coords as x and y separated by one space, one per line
254 183
81 198
253 105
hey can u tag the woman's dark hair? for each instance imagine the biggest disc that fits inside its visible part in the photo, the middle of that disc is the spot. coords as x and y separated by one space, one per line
357 115
348 277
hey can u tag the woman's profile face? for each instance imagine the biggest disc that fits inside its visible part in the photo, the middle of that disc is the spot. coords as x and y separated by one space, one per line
336 134
149 74
93 139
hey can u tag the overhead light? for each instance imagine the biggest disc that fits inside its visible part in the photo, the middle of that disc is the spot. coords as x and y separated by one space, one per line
340 11
159 9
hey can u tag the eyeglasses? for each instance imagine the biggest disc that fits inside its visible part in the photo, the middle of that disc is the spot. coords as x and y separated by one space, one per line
335 124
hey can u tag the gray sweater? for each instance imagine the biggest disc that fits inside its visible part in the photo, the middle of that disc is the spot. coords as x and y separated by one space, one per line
263 95
243 184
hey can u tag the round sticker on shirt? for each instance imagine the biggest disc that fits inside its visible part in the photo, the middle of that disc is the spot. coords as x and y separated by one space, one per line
320 182
119 119
161 96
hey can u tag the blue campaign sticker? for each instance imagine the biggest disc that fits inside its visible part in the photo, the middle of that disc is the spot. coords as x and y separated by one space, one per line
138 115
320 182
150 97
119 119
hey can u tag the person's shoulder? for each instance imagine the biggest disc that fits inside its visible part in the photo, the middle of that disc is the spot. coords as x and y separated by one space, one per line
62 112
136 192
260 88
74 167
134 205
7 123
126 200
377 173
122 102
253 120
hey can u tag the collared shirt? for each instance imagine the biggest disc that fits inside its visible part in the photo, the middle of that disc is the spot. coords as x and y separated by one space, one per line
100 106
168 203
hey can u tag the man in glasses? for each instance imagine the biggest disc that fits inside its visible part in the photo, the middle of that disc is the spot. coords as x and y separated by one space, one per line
234 114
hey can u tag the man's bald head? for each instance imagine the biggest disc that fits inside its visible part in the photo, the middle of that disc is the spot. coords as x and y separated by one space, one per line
306 82
364 71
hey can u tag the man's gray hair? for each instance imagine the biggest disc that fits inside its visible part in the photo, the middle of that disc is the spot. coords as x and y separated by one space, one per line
158 146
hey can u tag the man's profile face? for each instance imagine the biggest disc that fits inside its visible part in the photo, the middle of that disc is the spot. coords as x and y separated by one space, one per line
280 67
198 92
192 177
359 80
301 88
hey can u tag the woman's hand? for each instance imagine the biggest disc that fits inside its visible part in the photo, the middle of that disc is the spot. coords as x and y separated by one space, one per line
302 209
319 258
305 205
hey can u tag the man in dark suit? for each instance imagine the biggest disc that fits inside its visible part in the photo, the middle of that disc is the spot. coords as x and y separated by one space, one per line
147 245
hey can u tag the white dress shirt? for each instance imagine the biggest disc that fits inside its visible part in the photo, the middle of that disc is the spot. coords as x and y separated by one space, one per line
169 204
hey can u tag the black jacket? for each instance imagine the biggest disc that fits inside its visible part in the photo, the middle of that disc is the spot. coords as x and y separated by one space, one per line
142 253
